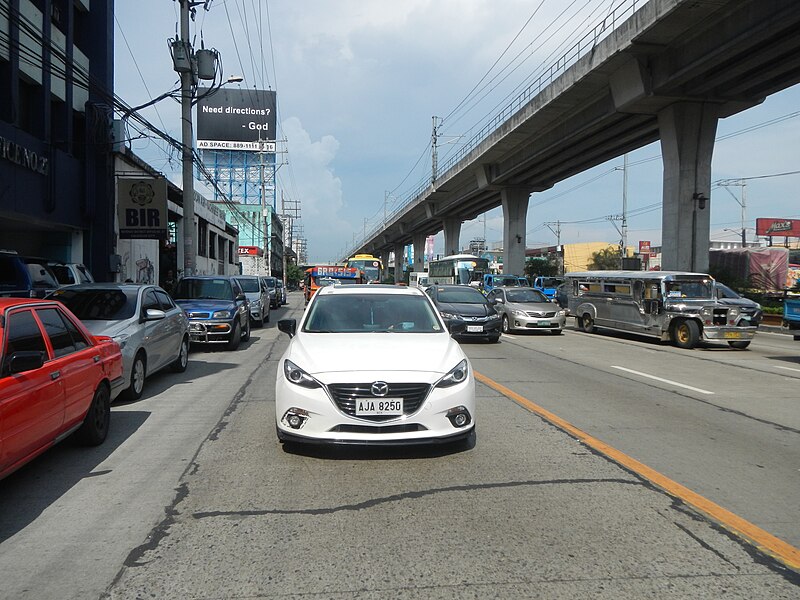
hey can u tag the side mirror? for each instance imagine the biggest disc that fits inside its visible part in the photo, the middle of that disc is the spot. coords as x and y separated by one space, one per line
288 326
27 360
154 314
241 298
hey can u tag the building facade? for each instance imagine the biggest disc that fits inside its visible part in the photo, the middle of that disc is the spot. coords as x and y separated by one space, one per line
56 109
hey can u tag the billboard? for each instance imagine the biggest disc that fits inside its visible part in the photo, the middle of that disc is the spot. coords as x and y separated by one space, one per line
778 227
142 208
236 120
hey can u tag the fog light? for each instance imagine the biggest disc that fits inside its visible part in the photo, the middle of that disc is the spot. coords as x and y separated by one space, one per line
295 417
459 417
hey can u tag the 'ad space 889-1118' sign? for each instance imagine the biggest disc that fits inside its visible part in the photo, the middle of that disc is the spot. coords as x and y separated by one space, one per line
239 120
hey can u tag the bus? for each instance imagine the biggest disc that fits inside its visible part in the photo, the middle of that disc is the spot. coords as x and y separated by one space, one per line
322 275
371 265
463 269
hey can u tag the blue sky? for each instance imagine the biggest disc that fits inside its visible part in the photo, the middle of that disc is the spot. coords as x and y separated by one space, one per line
358 81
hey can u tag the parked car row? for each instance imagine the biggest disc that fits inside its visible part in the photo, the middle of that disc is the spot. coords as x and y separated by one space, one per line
34 277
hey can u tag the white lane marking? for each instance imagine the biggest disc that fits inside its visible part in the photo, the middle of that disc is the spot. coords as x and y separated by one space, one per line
788 369
681 385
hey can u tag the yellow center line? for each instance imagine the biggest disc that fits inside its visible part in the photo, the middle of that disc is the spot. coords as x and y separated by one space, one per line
766 542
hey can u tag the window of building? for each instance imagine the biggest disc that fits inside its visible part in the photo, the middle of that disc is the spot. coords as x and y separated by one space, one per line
212 245
202 237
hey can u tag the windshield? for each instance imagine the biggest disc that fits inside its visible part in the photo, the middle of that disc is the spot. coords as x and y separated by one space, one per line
465 295
357 313
697 289
99 304
525 295
204 289
249 285
270 281
551 282
507 280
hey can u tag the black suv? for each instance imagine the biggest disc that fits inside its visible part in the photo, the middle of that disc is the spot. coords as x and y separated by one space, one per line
25 276
217 307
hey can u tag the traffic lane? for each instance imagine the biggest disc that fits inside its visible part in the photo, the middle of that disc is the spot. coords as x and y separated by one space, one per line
744 463
772 401
528 512
70 517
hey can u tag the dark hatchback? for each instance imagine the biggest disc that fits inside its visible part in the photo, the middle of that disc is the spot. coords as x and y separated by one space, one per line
750 309
217 307
466 305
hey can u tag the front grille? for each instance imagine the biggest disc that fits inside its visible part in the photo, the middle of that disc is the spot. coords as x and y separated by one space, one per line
345 394
538 314
720 316
199 315
380 429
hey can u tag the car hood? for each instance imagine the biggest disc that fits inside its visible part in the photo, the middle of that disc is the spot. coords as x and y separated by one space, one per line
466 310
253 295
741 302
112 328
205 305
321 353
533 306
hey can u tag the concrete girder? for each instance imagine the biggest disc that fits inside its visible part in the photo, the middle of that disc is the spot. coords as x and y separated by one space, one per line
419 251
399 250
687 145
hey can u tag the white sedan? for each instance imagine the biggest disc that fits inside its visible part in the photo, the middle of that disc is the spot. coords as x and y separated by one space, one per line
373 364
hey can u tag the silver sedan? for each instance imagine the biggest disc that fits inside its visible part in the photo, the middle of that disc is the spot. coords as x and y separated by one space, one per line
528 309
152 331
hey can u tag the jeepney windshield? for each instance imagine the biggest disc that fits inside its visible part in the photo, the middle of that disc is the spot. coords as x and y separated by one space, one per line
692 289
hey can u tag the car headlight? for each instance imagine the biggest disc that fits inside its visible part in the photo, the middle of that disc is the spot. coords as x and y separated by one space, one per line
457 374
561 313
222 314
121 339
257 302
446 315
297 376
519 313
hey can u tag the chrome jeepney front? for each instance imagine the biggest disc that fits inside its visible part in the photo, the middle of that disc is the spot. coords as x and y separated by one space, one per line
720 322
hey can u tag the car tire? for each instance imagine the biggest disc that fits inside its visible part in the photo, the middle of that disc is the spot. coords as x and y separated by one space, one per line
138 373
686 334
94 429
246 332
494 340
555 331
236 337
259 322
587 323
266 318
179 364
506 324
739 345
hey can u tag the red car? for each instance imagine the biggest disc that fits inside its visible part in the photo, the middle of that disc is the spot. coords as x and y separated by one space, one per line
55 379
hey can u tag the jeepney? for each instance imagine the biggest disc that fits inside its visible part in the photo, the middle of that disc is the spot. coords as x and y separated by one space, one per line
673 306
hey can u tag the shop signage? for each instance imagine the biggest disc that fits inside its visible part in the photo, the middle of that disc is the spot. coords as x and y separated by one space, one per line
24 157
142 208
250 251
778 227
644 247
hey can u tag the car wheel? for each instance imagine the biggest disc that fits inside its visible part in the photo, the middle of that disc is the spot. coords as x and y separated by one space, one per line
259 322
685 334
94 429
506 325
587 322
266 317
236 337
740 345
180 363
138 372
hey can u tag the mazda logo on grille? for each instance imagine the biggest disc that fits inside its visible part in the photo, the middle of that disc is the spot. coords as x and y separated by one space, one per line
379 388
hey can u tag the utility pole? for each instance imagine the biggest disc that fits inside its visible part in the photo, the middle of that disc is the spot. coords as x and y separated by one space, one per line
434 154
189 254
624 232
743 202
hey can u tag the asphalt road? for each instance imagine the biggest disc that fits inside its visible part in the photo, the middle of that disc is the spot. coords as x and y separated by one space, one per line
192 497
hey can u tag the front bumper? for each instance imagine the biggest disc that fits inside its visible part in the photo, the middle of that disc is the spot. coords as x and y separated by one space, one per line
209 332
324 422
480 329
728 334
527 322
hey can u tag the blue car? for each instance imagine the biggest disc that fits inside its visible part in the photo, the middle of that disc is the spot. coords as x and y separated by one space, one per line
217 307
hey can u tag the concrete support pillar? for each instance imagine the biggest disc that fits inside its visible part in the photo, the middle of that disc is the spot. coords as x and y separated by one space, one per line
515 213
419 252
452 231
385 262
399 250
687 144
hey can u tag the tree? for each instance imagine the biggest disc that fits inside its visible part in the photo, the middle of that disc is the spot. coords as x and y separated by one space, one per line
607 259
294 275
545 266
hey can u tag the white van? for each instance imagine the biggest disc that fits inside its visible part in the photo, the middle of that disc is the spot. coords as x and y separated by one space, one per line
418 278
